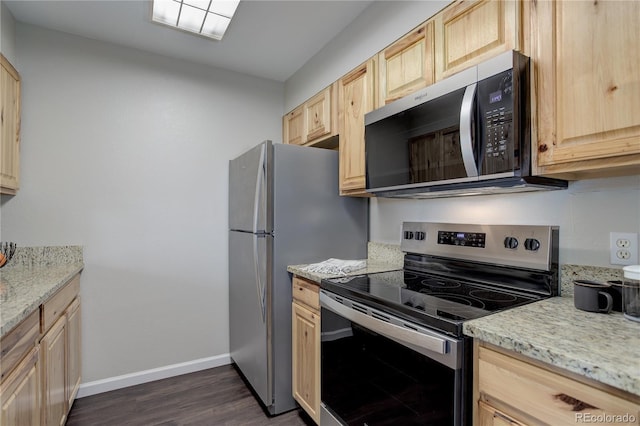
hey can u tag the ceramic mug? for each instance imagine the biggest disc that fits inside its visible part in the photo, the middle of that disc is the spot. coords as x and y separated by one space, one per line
616 293
592 296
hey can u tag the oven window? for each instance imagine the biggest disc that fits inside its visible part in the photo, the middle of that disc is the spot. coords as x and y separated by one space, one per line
370 380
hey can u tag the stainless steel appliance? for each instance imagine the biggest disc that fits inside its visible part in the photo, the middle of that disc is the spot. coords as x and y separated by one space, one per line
468 134
393 351
284 209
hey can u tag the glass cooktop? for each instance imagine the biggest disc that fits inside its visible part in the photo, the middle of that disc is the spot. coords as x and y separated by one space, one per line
431 300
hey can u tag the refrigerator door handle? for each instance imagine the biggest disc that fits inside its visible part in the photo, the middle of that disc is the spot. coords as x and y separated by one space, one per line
257 208
260 287
259 189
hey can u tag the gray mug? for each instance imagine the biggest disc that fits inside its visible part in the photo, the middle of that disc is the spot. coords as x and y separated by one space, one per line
592 296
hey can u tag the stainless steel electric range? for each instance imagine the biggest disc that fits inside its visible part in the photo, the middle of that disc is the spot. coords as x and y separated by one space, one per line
392 346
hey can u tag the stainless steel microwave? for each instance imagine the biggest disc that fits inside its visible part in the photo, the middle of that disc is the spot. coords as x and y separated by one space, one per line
467 134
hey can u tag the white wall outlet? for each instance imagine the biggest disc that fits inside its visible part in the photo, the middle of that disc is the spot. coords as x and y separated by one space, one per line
623 248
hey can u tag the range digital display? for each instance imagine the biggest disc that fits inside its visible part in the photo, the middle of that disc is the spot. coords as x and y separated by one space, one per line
468 239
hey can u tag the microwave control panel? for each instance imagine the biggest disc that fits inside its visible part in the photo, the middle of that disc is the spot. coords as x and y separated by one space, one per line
496 105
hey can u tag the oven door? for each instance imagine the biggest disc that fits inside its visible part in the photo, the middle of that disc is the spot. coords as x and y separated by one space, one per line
381 370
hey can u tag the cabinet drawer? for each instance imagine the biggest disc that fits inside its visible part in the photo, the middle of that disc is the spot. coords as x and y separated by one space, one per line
56 305
543 395
15 345
307 292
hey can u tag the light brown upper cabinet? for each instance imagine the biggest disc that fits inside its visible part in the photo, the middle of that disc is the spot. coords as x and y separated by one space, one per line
314 122
470 31
356 94
588 87
293 127
407 65
9 127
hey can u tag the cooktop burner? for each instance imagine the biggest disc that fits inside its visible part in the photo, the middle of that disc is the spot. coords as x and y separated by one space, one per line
432 300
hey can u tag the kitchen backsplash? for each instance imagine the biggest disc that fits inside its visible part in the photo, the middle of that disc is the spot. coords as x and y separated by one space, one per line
43 256
569 273
390 253
385 253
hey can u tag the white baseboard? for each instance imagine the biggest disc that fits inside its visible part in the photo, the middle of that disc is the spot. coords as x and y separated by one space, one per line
139 377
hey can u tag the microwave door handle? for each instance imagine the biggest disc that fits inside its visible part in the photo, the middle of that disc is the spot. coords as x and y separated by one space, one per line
466 131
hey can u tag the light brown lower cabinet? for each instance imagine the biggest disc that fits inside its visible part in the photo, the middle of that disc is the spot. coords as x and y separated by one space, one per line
74 364
306 346
489 416
510 389
40 366
20 392
53 346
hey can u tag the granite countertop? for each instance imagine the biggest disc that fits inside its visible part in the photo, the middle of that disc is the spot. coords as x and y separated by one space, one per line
603 347
371 268
31 277
380 258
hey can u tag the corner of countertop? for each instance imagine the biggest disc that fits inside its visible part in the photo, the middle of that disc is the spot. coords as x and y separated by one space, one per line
381 257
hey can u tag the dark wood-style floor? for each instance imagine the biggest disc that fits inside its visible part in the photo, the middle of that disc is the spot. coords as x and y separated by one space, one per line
217 396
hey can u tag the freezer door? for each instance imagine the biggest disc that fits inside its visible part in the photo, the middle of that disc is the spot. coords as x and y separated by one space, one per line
248 190
249 318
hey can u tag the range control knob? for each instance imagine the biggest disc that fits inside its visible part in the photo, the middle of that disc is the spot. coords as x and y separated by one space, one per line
531 244
511 243
420 235
408 235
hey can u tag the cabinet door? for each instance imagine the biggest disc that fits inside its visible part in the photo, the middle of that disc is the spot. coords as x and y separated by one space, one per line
293 127
20 393
53 346
356 98
544 395
407 65
318 113
73 352
489 416
588 86
9 127
470 31
306 359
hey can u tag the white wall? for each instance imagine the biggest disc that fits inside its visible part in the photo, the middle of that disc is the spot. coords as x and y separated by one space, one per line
586 212
126 153
7 33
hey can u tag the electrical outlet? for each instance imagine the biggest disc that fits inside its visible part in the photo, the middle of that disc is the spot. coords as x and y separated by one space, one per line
623 248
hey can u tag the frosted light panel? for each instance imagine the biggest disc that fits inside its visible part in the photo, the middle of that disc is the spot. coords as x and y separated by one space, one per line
209 18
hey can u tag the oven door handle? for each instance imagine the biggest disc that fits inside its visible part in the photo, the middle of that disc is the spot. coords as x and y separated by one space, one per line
403 335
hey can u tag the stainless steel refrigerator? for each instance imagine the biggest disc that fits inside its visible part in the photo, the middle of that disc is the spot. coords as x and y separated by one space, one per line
284 209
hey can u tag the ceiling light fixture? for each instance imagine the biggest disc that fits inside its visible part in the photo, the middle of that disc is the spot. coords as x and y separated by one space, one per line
208 18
